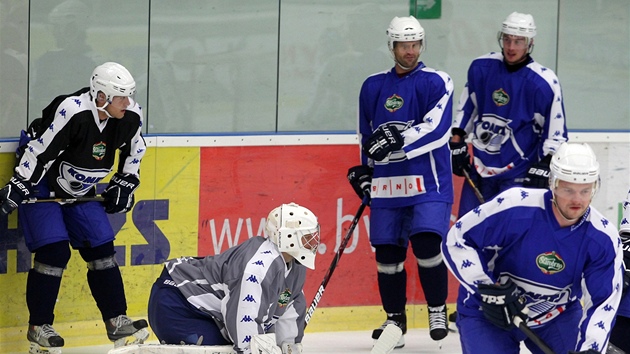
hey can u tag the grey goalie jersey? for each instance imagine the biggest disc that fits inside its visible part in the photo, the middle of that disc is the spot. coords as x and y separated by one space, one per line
247 290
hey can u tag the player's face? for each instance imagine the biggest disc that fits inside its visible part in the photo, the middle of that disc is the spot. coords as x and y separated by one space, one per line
514 48
407 53
118 106
572 199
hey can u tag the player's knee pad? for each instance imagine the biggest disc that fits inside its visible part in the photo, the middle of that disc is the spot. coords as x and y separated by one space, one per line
54 255
427 249
390 259
100 257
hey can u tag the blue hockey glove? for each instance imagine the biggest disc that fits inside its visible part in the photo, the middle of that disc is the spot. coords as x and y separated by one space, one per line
382 142
500 303
538 174
460 158
360 178
119 193
13 193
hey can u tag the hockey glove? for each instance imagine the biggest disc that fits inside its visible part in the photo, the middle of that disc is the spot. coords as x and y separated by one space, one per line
538 174
500 303
13 193
119 193
460 157
291 348
382 142
360 178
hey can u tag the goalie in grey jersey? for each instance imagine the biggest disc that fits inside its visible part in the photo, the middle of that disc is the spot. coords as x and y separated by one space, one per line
249 290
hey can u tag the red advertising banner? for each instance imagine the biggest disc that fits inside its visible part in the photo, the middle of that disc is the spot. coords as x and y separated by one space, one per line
239 186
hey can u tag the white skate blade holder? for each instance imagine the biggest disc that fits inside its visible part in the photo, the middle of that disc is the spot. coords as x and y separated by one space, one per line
173 349
137 338
387 340
37 349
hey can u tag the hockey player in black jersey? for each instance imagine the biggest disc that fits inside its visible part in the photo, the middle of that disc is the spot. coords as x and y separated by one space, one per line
64 155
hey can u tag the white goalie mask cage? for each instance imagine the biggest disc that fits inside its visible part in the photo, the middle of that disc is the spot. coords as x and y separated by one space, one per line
112 79
574 163
295 230
405 29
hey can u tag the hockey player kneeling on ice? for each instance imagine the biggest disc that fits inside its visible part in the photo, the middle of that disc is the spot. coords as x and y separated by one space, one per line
64 154
251 289
543 251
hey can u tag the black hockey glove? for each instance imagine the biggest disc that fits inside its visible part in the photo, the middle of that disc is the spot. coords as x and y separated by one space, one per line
500 303
119 193
382 142
538 174
590 351
625 243
460 157
360 178
13 193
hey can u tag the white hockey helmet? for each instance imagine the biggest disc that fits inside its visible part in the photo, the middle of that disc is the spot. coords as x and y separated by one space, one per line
295 230
575 163
405 29
518 24
112 79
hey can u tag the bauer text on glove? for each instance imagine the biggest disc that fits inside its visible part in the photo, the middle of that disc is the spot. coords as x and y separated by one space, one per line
13 193
119 193
382 142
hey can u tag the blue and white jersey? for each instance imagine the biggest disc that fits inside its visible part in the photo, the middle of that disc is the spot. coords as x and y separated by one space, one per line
247 290
420 105
516 236
512 118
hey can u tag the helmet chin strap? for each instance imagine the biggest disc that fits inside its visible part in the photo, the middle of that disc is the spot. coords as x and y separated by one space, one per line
102 109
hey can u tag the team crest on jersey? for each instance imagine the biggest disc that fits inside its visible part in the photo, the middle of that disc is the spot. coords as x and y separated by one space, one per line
98 150
284 298
550 262
77 181
500 97
393 103
491 132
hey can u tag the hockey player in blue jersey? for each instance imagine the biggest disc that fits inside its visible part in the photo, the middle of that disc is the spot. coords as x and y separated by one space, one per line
543 251
511 111
619 336
249 290
64 155
404 128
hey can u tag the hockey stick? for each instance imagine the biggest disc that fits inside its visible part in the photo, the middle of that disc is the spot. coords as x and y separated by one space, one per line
333 265
63 200
474 187
612 349
518 321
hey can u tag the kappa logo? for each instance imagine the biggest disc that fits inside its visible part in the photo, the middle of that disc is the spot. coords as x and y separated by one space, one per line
500 97
550 263
393 103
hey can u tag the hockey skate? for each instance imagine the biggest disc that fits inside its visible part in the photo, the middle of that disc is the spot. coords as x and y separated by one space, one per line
397 319
123 331
438 328
44 340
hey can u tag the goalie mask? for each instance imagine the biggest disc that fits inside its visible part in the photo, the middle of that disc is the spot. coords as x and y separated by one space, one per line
295 230
574 163
112 79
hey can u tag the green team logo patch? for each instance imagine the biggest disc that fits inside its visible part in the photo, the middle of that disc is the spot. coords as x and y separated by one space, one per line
98 150
393 103
500 97
284 298
550 263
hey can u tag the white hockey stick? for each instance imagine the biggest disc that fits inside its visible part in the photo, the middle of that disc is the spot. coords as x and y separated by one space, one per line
387 340
173 349
63 200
